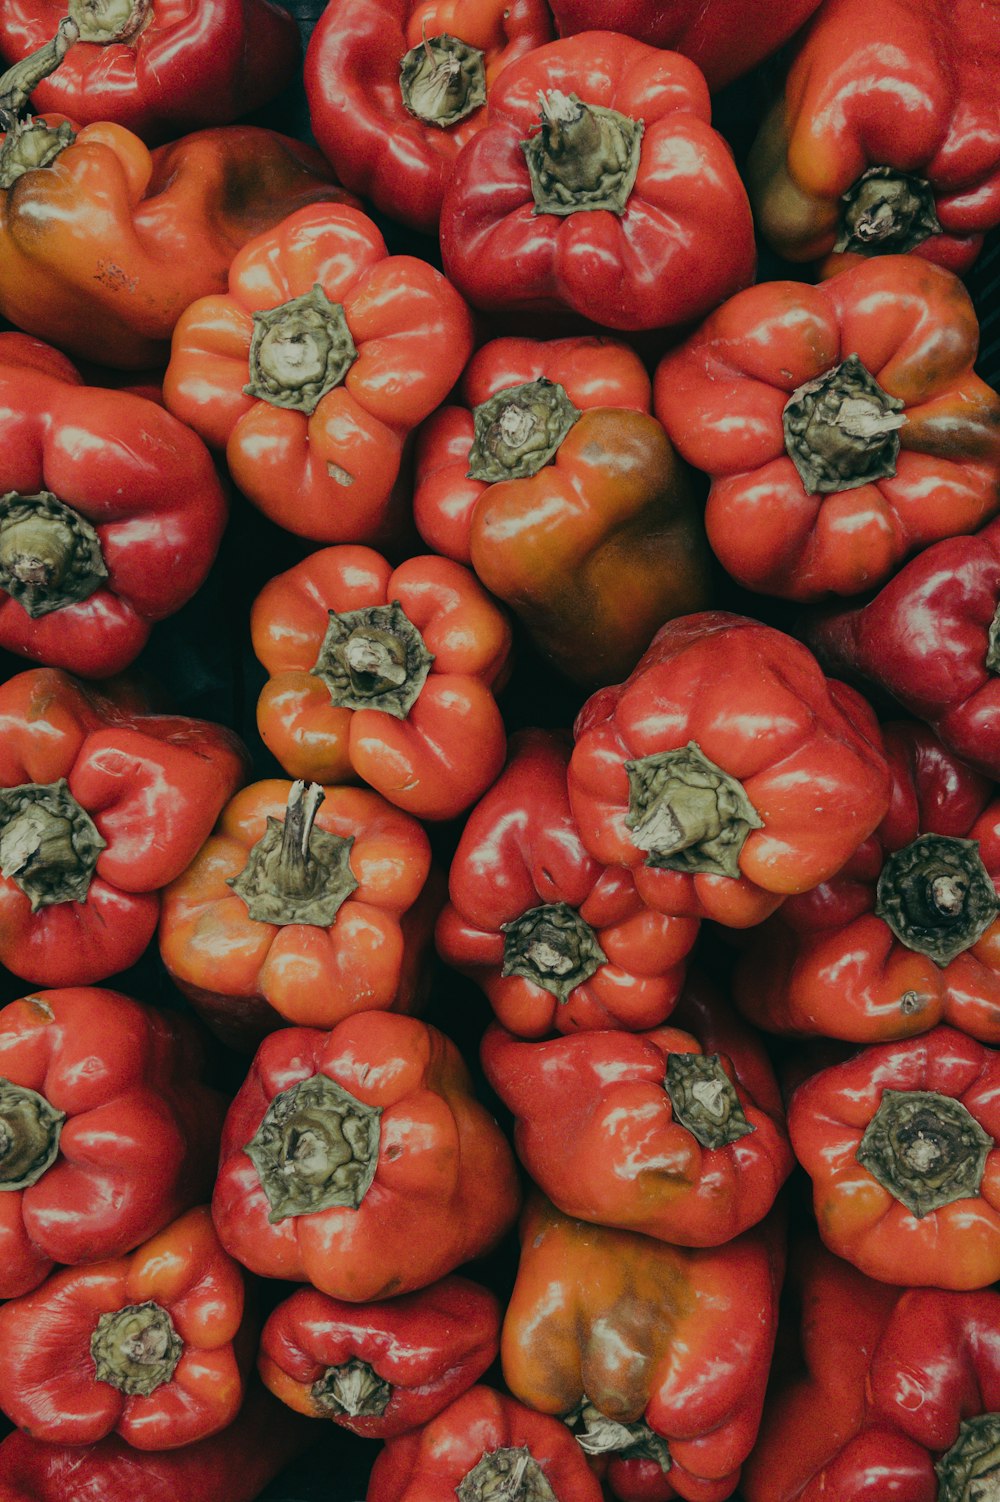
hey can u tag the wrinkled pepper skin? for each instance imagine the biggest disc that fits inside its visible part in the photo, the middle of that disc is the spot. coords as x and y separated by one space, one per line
891 1382
929 639
931 119
103 806
317 443
742 709
132 476
380 1369
725 39
805 514
167 1373
528 905
378 146
605 1128
672 245
252 957
674 1343
122 1140
103 249
353 695
490 1431
844 962
192 63
441 1184
899 1141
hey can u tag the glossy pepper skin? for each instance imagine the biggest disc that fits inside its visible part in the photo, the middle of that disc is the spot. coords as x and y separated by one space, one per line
892 1383
398 152
146 1346
102 806
430 1183
899 1141
380 1369
625 242
486 1435
906 935
103 249
679 1135
673 1344
383 674
109 1130
158 67
316 442
820 491
558 942
725 39
566 497
929 132
752 775
111 513
230 1466
331 914
929 638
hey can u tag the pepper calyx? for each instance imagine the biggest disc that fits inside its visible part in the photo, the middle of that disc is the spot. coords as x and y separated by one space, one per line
927 1149
373 658
442 80
582 156
842 430
687 813
299 351
316 1148
704 1099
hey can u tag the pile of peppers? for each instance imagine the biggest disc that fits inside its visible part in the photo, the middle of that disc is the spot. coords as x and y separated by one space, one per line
499 751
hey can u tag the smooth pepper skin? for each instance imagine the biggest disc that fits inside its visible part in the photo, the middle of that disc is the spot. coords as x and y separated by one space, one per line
193 63
862 1220
378 149
103 249
674 1338
684 240
445 1186
329 474
598 1133
912 86
926 639
828 963
447 748
428 1347
49 1381
141 479
886 1378
806 749
520 851
152 784
140 1134
722 396
429 1464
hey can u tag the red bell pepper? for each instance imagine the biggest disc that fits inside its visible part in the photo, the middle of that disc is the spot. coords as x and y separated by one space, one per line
151 1347
111 513
726 38
657 1355
900 1142
305 905
485 1445
107 1131
931 639
907 934
842 426
380 1369
100 807
315 366
897 1394
384 674
676 1134
727 772
104 246
598 186
396 88
359 1160
887 137
558 942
